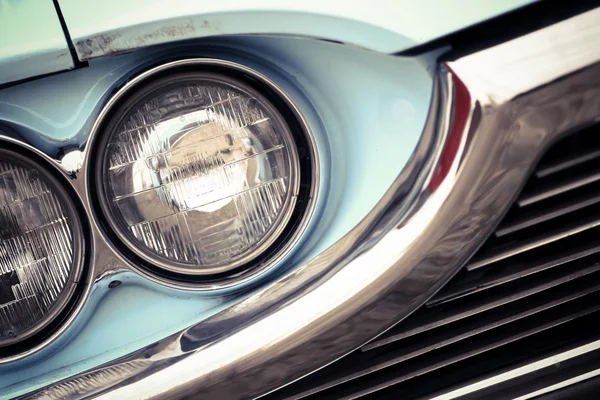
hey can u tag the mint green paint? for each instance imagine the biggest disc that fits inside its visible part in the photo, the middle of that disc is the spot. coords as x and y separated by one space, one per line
32 41
103 27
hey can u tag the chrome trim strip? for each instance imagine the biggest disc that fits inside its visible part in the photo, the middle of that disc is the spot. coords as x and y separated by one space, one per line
561 385
528 245
531 61
435 215
524 370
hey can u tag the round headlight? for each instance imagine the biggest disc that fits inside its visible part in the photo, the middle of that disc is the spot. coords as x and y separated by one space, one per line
40 248
198 173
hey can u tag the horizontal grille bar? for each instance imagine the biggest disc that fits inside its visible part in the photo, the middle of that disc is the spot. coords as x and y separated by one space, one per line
532 287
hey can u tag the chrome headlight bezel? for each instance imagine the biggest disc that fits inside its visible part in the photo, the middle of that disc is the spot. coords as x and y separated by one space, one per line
290 226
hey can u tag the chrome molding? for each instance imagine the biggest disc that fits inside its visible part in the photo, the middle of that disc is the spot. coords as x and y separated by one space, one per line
485 133
531 369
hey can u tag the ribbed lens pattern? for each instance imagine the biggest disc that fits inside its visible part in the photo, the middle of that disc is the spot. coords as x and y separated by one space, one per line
200 176
36 250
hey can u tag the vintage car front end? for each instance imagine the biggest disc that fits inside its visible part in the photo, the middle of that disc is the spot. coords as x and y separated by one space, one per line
382 200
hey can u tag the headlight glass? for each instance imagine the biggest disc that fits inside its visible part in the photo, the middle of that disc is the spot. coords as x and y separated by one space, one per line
199 174
40 248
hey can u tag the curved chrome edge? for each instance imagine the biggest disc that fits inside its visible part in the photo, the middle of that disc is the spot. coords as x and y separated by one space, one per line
435 215
281 311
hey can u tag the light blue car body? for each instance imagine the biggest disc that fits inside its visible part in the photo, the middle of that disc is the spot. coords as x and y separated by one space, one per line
366 109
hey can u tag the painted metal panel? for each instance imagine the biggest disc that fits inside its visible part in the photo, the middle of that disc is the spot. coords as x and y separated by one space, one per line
111 26
32 41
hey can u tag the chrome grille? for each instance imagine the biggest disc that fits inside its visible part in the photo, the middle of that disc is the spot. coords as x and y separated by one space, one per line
531 289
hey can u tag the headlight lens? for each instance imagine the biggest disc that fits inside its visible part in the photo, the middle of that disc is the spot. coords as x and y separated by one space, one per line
40 248
199 174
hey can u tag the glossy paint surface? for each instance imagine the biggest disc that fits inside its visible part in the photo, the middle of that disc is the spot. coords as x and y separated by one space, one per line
105 27
365 132
32 41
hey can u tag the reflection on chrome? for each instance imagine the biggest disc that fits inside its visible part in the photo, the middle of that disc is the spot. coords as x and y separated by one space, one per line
478 147
202 176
